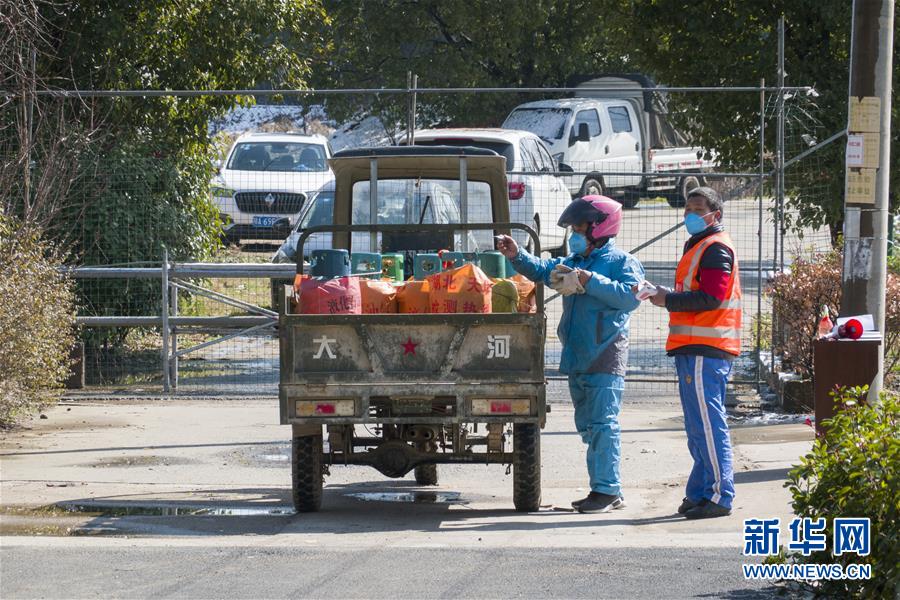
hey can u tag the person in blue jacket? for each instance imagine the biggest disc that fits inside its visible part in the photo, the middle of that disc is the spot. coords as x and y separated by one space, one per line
596 282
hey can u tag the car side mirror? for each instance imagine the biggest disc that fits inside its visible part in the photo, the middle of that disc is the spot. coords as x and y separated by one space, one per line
564 168
282 227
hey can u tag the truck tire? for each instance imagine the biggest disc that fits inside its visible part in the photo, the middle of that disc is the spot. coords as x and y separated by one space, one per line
591 185
426 475
306 472
629 199
526 467
678 197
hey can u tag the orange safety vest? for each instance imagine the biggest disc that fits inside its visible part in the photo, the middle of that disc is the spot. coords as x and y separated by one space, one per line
720 327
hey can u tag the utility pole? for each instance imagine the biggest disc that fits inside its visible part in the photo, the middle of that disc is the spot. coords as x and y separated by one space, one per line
868 156
412 82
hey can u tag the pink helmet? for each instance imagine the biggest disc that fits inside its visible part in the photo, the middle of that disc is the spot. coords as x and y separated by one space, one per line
604 214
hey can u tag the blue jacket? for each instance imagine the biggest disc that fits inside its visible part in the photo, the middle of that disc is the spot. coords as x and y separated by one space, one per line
594 325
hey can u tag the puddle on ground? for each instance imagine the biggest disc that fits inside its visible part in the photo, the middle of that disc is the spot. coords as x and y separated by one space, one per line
411 497
162 510
141 461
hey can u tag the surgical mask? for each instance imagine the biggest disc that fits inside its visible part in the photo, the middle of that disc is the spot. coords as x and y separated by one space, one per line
694 223
577 243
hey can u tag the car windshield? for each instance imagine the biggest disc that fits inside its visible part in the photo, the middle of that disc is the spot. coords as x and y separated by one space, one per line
504 149
321 211
546 123
279 157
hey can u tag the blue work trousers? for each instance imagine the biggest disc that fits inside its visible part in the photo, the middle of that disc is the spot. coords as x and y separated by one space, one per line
597 398
701 383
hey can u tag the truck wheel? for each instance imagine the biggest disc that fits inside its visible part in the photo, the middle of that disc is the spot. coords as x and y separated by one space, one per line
678 197
629 199
591 186
426 475
526 467
306 472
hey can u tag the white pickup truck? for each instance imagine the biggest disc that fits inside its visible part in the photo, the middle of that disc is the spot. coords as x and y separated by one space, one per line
608 137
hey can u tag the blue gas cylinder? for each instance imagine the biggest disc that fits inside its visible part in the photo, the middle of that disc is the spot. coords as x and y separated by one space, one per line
330 263
425 265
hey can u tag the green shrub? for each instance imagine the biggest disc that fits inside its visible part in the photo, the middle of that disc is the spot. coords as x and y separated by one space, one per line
799 294
852 472
37 314
135 205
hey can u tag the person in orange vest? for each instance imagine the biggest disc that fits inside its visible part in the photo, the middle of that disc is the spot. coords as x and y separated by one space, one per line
705 337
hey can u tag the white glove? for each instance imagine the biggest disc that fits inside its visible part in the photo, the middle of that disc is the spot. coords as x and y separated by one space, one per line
564 280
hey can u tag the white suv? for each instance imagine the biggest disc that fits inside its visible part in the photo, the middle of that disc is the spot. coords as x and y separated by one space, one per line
536 196
266 177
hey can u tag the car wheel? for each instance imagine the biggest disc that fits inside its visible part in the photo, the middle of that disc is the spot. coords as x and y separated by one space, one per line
591 187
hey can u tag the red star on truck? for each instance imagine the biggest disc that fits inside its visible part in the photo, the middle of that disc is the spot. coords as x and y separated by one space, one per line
409 347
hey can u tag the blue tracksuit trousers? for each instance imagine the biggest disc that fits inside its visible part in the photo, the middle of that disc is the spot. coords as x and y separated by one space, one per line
597 398
701 382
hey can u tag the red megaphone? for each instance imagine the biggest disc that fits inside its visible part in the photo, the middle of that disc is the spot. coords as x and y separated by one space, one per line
851 330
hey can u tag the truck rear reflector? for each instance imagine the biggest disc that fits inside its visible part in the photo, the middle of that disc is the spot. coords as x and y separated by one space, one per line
506 406
325 408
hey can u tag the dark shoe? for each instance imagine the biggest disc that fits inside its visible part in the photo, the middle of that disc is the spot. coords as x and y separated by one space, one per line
708 510
598 503
617 504
687 505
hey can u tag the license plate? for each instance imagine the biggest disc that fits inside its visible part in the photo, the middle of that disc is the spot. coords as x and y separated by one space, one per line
264 221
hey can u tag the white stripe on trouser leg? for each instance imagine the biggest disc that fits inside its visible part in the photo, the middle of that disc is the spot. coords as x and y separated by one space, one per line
707 429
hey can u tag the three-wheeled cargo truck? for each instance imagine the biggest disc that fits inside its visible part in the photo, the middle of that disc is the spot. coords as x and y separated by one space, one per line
407 392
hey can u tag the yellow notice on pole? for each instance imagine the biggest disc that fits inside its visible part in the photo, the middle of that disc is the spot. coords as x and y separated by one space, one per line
860 186
865 115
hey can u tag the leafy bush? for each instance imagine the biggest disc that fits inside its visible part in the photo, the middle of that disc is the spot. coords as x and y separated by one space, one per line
37 312
135 205
852 472
798 296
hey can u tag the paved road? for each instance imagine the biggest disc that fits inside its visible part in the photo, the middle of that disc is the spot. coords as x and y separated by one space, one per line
145 468
386 572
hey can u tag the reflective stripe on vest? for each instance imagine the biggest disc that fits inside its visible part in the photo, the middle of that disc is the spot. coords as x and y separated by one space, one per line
719 327
710 332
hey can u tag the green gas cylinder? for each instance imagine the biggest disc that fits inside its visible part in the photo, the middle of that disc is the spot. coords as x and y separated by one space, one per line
493 264
392 266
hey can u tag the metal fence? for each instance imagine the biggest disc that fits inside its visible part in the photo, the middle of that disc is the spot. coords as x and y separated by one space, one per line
212 324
